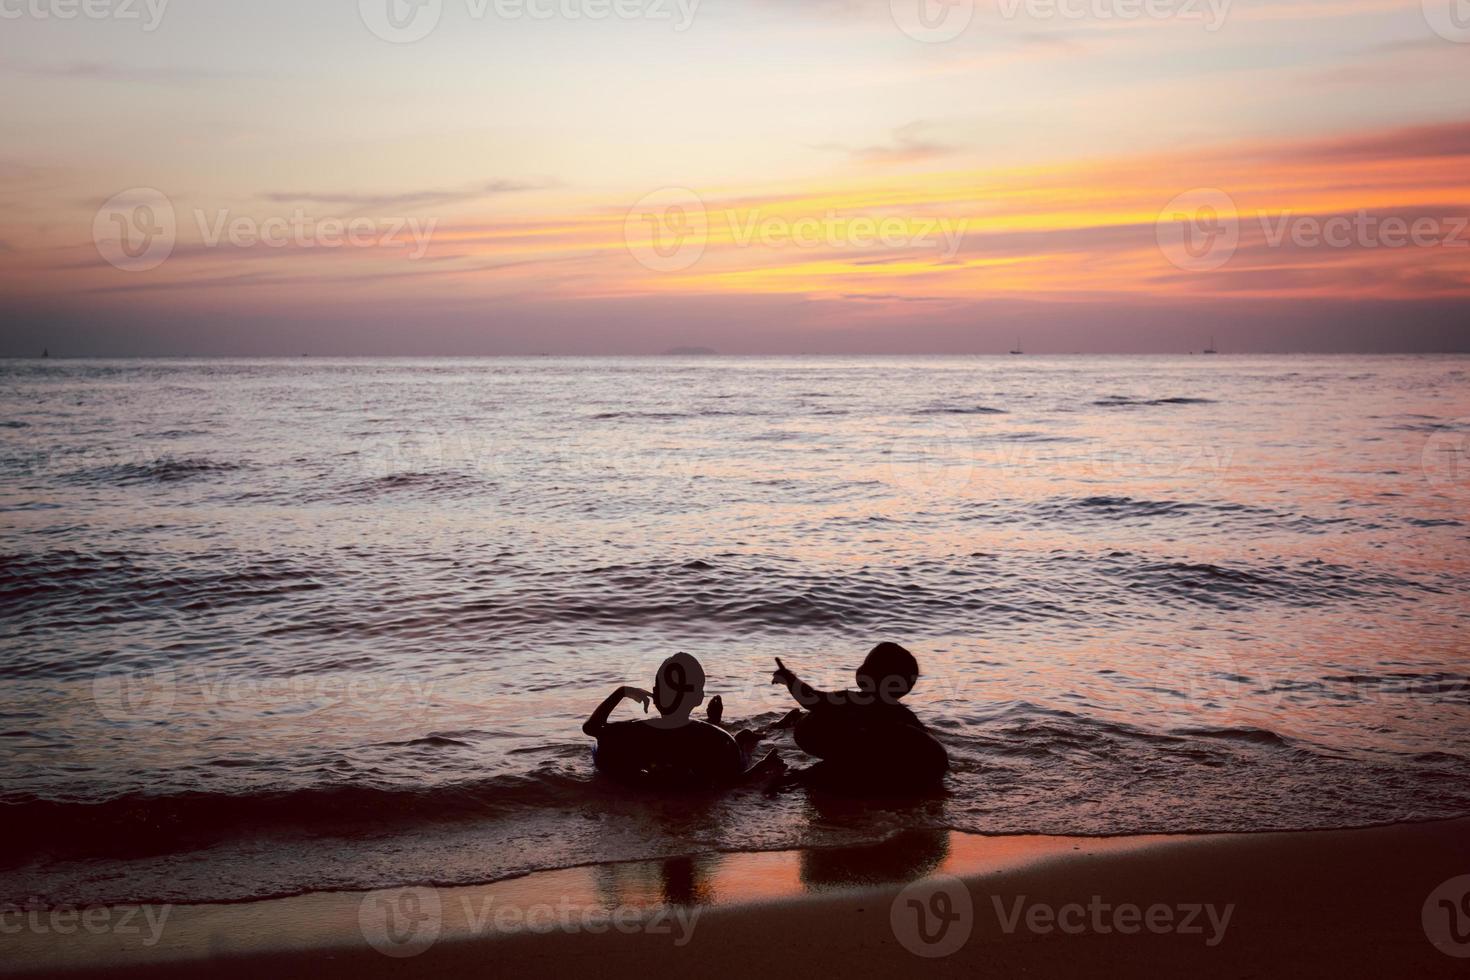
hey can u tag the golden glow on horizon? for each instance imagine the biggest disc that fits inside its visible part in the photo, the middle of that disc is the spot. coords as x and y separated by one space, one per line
1052 232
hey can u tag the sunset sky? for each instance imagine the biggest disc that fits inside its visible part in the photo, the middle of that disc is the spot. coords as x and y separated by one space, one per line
749 175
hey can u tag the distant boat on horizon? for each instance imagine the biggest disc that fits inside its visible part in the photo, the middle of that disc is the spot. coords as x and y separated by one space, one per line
1017 349
1210 349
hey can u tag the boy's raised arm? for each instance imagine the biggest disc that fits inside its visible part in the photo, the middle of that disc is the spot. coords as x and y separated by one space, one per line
806 695
597 721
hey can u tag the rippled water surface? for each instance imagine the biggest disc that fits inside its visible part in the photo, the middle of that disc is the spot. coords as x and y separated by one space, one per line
268 626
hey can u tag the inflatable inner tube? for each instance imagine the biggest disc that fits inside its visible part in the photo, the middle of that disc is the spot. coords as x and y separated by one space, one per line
692 755
881 755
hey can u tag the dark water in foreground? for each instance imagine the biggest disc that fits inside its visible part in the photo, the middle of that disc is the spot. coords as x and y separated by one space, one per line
272 626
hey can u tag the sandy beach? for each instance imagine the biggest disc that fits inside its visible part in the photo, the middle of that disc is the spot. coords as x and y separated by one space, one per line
1317 903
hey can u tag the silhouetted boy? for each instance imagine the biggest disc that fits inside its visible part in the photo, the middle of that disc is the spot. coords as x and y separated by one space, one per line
672 749
866 734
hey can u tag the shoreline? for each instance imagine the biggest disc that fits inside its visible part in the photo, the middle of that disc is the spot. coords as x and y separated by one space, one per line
720 855
1327 902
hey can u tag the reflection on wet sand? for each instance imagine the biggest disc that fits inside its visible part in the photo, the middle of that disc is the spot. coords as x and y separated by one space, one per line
903 858
729 879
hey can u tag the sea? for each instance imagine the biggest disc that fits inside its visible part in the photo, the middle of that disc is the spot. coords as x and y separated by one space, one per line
278 626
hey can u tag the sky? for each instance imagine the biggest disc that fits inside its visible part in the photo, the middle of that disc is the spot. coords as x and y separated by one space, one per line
754 176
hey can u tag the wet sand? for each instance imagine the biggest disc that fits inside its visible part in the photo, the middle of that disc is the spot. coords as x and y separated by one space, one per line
1319 903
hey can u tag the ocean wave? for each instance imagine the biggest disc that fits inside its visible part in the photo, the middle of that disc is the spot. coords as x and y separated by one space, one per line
140 824
1036 437
436 484
957 595
340 595
165 469
641 416
435 740
1312 582
88 589
30 505
174 434
961 410
1017 767
1258 736
1431 425
1123 401
1213 516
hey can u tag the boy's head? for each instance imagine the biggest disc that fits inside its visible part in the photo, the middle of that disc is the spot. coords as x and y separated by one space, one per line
679 686
889 671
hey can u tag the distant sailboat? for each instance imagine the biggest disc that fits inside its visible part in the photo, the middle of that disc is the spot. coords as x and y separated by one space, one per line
45 352
1017 349
1210 349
